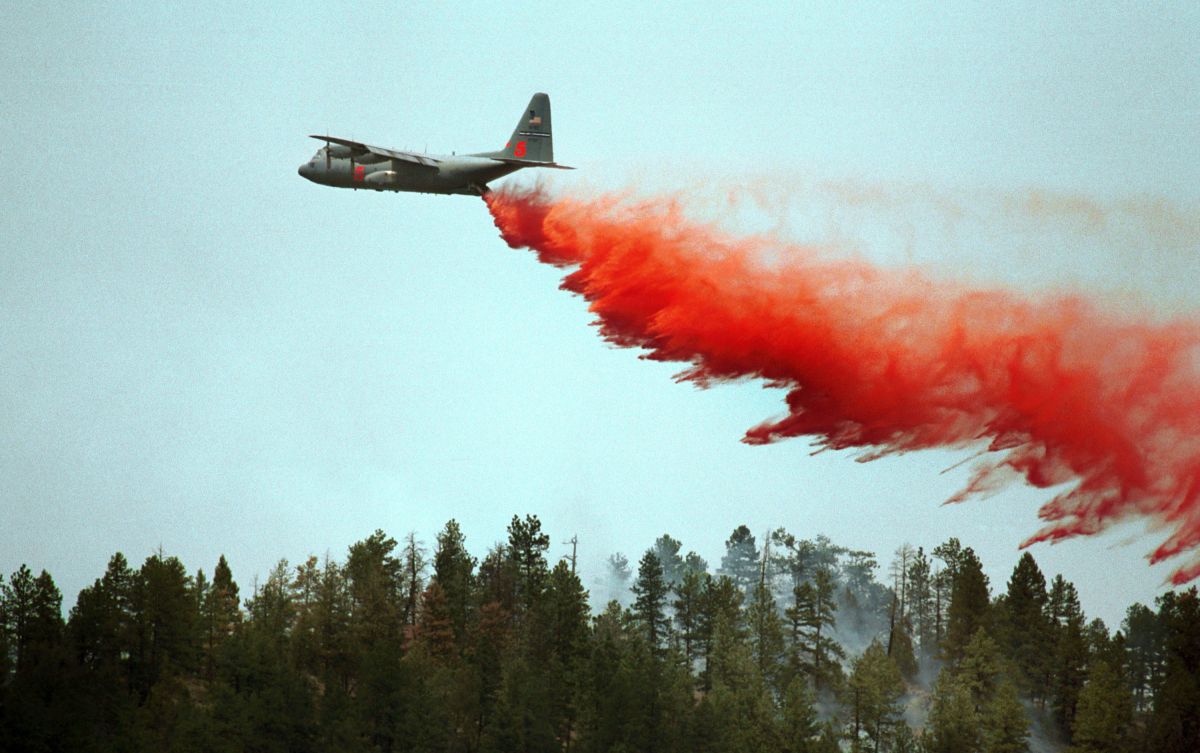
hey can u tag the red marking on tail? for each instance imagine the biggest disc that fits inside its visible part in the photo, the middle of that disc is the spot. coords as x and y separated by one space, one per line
887 360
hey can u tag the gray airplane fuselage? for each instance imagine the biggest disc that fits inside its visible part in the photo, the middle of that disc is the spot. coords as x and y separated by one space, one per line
465 174
345 163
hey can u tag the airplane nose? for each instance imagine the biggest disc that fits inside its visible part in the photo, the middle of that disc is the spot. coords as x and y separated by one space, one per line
303 170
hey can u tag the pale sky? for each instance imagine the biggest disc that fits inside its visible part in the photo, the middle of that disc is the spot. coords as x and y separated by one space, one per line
201 350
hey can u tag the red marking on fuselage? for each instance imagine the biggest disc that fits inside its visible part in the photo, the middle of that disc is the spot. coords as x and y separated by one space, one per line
359 173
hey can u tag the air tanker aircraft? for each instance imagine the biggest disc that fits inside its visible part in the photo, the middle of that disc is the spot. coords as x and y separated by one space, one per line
349 164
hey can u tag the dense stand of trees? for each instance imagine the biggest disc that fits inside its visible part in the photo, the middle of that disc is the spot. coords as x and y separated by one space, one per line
791 645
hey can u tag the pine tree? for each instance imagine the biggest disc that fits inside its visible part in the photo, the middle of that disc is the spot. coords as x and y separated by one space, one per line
413 580
811 620
954 724
1105 713
374 575
1025 628
688 603
1005 724
766 629
969 604
873 693
740 561
1143 654
667 551
6 642
618 575
453 569
567 614
721 610
435 630
219 613
1175 724
527 546
800 729
165 617
981 668
35 706
922 608
1068 651
649 605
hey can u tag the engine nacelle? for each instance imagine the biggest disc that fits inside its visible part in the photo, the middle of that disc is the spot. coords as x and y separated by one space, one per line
382 178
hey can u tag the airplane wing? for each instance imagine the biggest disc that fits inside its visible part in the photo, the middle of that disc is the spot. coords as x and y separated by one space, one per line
361 148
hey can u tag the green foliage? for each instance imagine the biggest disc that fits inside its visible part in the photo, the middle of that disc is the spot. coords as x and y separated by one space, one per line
1105 715
811 618
873 693
740 561
1175 724
1005 724
650 599
954 722
1024 628
969 602
504 654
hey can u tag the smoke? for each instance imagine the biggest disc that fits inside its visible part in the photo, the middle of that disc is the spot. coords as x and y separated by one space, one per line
1054 388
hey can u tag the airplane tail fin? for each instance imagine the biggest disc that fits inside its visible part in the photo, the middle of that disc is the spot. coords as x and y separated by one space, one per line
531 140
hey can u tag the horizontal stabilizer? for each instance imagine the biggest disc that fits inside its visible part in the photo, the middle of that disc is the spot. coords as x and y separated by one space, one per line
531 163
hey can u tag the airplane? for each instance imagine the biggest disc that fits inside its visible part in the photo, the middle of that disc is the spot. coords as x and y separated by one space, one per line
351 164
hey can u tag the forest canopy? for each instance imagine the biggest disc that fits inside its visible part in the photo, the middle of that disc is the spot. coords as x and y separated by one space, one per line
788 644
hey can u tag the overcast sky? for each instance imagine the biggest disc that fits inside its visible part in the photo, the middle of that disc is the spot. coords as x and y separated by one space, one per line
202 351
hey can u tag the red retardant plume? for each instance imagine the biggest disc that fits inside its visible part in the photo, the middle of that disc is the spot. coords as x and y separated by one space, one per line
888 360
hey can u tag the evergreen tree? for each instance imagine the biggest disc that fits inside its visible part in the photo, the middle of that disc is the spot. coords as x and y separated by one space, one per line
667 551
921 606
1105 713
453 569
873 693
1068 652
435 629
1143 654
101 623
871 599
766 630
413 581
969 604
566 610
219 613
800 729
902 653
954 724
1175 724
811 620
981 668
165 618
694 563
6 643
35 707
375 576
618 575
1025 628
721 610
527 546
688 604
649 605
1005 724
740 561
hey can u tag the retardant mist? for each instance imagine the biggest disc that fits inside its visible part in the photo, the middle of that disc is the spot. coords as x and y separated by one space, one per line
1057 389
